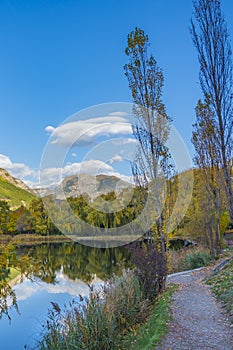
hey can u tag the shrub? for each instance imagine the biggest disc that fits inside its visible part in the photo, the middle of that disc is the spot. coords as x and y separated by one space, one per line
151 267
188 258
195 259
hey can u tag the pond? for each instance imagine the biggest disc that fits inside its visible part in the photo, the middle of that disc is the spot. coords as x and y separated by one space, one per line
61 272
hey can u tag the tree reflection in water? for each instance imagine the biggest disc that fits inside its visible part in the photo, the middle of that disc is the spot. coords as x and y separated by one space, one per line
78 261
9 260
46 260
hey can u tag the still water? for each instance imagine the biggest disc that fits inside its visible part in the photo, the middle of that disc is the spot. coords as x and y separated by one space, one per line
63 272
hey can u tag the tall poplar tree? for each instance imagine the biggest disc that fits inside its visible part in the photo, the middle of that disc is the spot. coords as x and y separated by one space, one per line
208 160
152 124
211 40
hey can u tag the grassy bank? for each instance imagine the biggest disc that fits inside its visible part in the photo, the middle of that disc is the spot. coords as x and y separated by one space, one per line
14 195
148 335
24 239
13 274
99 321
222 286
29 239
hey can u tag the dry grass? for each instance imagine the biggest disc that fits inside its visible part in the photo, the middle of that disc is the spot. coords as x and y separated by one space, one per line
184 259
28 239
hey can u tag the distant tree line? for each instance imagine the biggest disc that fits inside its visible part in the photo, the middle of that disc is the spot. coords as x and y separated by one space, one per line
32 219
35 219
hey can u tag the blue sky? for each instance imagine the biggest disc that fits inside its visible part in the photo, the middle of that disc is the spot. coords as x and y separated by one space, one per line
58 57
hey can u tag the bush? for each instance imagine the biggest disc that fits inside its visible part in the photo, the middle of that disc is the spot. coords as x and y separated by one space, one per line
188 258
151 267
195 260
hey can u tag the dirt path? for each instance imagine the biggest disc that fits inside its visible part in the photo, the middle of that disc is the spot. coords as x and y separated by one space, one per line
199 322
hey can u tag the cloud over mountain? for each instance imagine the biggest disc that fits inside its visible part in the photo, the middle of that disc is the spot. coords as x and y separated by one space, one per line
19 170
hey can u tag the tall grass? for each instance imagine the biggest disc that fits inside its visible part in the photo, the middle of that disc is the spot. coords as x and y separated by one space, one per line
97 322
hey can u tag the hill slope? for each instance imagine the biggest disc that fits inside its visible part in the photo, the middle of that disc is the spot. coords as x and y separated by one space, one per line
13 190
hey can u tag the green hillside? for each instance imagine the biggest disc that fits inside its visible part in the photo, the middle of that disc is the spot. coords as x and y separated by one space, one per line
15 196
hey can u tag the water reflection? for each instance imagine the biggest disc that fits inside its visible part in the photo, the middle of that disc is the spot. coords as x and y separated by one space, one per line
77 261
10 264
62 286
52 273
34 299
56 268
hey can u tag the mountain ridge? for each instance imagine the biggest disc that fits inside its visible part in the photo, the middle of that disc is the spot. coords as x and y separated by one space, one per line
94 186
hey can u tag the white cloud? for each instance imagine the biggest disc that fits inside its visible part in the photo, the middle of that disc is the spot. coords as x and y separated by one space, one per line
65 285
91 167
116 159
125 141
31 184
86 132
119 114
49 128
51 177
18 170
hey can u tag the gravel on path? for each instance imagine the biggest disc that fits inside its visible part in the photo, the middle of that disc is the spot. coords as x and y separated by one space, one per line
198 320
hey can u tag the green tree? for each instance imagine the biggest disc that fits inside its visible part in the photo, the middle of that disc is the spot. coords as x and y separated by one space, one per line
4 216
12 222
40 216
25 220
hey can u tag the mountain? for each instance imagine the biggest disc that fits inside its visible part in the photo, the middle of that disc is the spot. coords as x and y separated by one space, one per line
73 186
93 185
14 191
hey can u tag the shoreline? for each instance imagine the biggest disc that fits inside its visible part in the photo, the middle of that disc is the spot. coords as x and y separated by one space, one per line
28 239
